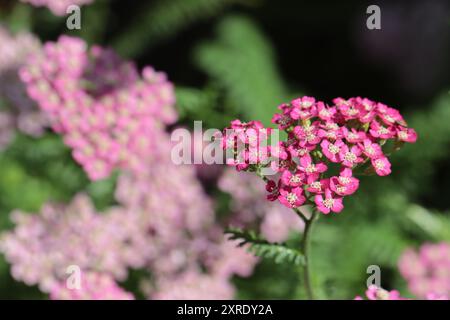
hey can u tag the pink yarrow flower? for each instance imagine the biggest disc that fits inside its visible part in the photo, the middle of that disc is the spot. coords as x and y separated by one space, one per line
345 184
317 186
325 113
291 197
379 131
309 168
370 149
353 135
406 134
328 202
295 179
382 166
332 150
350 157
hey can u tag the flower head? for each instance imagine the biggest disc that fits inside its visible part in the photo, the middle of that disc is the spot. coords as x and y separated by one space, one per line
332 150
350 156
295 179
292 197
328 202
370 149
311 169
345 184
107 113
382 166
350 132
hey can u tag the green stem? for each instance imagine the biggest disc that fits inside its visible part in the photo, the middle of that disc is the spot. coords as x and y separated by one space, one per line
305 249
300 214
305 243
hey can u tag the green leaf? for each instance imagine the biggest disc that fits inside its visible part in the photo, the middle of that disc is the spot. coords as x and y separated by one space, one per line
280 253
162 20
241 60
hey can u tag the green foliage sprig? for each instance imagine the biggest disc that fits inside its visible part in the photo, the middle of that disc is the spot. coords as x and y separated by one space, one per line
280 253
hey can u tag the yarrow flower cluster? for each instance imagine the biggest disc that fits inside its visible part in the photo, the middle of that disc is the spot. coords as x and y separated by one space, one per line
113 118
427 271
58 7
93 286
44 245
348 135
159 225
105 111
173 228
167 240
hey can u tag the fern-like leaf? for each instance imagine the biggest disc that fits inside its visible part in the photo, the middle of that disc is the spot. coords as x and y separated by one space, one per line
164 19
241 60
261 248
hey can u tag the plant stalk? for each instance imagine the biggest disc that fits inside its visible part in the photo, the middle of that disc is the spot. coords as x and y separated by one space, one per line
305 249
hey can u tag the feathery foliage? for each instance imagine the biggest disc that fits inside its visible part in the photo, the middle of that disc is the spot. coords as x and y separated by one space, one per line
242 62
164 19
278 252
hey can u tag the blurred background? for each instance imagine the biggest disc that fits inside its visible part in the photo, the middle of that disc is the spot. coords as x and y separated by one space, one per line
241 58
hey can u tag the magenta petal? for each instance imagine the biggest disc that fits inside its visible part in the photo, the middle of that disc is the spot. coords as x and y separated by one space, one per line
337 205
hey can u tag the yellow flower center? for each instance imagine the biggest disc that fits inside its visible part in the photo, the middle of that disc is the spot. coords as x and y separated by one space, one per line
349 156
403 135
291 198
379 164
333 149
383 130
382 294
328 203
344 180
316 185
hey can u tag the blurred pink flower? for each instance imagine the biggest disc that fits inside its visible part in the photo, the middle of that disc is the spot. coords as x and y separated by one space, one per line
43 246
427 270
194 285
58 7
93 286
22 112
159 225
106 112
376 293
233 260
